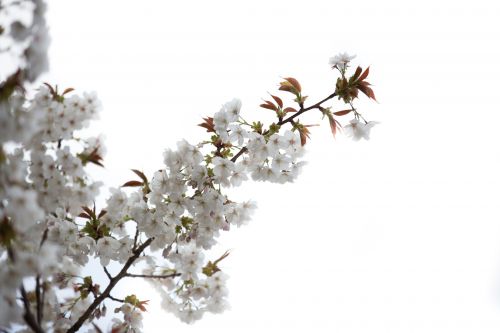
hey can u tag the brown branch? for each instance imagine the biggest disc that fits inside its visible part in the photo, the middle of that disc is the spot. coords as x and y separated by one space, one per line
302 110
28 316
107 273
43 300
39 303
112 283
166 276
116 299
97 328
241 152
136 237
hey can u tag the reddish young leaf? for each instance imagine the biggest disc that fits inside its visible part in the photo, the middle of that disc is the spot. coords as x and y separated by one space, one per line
356 74
83 215
141 306
222 257
96 160
102 213
52 91
140 174
365 74
208 124
67 90
342 113
294 83
304 135
363 86
269 105
287 86
89 211
333 124
119 328
133 183
289 110
278 100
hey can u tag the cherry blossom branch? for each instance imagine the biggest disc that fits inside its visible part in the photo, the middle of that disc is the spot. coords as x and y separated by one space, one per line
303 110
112 283
289 120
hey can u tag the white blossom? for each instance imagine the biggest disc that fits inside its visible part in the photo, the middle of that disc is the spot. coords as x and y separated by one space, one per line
106 249
341 60
237 134
232 109
358 130
222 120
22 208
48 211
222 169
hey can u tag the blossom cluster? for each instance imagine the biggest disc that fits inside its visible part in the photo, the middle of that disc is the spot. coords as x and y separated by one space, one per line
163 225
42 184
24 34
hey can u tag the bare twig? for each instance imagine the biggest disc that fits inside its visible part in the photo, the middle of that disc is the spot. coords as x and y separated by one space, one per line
166 276
302 110
116 299
39 304
107 273
28 316
97 328
136 237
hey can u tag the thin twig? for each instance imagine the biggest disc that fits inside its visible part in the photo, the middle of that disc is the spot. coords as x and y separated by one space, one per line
39 304
135 237
116 299
43 302
28 316
166 276
241 152
302 110
107 273
97 328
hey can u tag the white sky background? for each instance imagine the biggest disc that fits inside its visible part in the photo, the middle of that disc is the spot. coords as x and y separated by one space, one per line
397 234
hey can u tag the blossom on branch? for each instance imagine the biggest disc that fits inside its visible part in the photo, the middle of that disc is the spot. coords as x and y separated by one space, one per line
156 227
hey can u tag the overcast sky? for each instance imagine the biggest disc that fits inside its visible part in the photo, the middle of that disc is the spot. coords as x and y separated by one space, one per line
397 234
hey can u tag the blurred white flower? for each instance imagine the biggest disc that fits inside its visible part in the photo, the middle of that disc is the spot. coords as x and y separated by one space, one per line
341 60
358 130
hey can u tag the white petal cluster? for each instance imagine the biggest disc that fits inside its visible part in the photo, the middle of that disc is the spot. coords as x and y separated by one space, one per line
229 113
43 185
357 130
50 229
186 210
26 35
341 60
